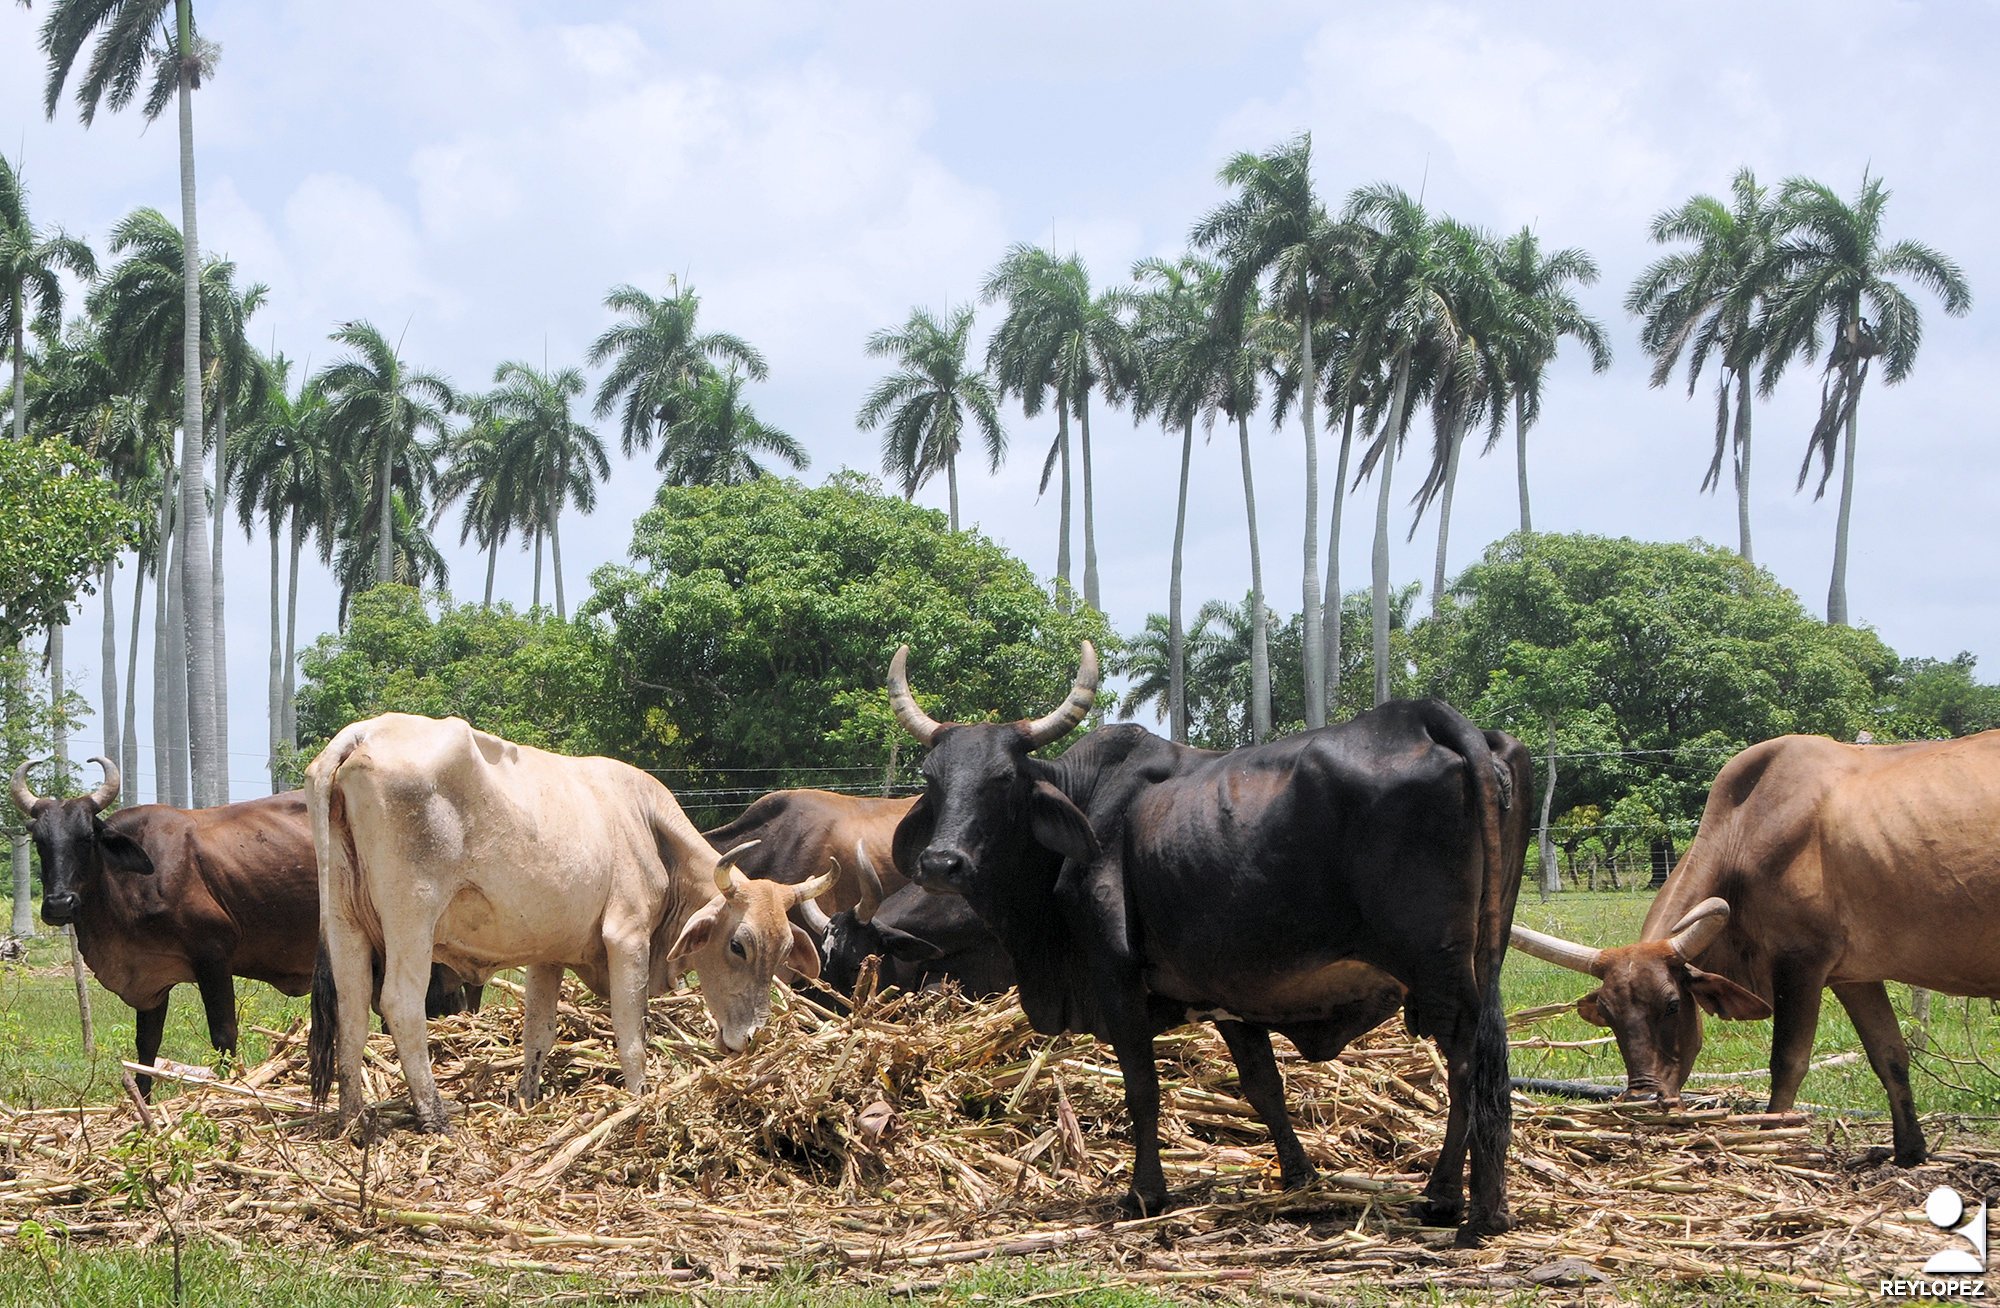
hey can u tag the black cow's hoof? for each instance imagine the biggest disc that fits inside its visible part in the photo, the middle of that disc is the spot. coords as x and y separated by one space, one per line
1912 1157
1474 1232
1133 1204
1433 1213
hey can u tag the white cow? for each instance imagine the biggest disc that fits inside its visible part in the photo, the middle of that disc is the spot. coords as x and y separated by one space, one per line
439 841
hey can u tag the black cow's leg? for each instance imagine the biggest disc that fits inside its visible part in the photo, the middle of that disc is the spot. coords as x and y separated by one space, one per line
218 1002
152 1026
1264 1086
1444 1195
1142 1102
1794 1019
1867 1003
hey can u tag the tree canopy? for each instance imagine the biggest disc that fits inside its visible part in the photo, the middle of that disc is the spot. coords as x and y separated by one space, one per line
64 519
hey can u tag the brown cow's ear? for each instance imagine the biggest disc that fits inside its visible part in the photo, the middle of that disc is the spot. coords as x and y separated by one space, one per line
700 928
1724 998
1591 1011
121 853
1060 825
804 955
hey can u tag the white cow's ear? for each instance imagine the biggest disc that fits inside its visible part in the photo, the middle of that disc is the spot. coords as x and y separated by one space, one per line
804 955
700 928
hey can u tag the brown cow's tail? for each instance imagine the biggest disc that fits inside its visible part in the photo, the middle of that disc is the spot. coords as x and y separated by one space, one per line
339 886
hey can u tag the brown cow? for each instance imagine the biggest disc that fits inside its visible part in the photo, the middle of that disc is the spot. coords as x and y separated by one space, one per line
1817 864
802 833
160 896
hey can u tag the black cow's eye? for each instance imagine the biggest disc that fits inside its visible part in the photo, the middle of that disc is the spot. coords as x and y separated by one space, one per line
736 948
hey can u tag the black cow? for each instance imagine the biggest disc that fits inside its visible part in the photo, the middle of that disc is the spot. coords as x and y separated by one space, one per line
1308 886
925 940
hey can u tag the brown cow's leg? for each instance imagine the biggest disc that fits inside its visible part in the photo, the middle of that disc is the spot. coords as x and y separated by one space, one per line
1794 1019
152 1025
1867 1003
1264 1086
538 1027
218 1002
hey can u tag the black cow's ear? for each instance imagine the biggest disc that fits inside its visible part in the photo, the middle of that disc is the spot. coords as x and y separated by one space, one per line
913 836
1724 998
908 948
124 854
1060 825
1591 1011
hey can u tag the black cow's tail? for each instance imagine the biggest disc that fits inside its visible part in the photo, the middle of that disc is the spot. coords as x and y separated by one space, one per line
325 1025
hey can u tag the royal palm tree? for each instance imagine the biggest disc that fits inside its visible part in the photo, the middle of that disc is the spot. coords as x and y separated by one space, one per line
479 468
1276 224
713 437
1707 301
1238 358
657 356
413 559
153 43
1539 284
378 410
1840 289
552 459
31 261
1148 663
1059 337
923 407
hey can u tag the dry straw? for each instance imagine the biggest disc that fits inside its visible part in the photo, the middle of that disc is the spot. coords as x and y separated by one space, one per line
926 1132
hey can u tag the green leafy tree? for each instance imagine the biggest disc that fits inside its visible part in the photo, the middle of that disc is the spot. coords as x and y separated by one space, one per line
154 43
1841 290
1706 302
751 635
925 405
1539 282
63 520
657 355
1938 698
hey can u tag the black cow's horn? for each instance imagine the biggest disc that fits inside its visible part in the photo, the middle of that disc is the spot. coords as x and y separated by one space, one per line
1703 923
815 916
24 798
1058 724
1554 949
915 721
106 793
871 884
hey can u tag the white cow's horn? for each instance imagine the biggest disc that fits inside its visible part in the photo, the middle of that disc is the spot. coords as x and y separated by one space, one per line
106 793
726 875
1073 710
915 721
1554 949
24 798
871 884
1698 930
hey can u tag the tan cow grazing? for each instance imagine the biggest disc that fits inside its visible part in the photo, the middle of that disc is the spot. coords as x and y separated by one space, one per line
435 838
1817 864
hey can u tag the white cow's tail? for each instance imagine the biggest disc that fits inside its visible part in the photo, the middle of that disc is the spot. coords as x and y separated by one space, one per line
340 891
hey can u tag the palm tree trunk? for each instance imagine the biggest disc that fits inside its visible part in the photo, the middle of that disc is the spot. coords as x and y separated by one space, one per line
536 602
211 778
1330 612
1836 594
163 648
385 547
1062 526
1398 406
555 558
1315 636
1090 593
180 741
1521 459
58 719
1742 443
107 661
24 888
1177 724
951 480
215 572
492 563
20 404
128 754
291 708
1457 437
274 691
1551 874
1260 650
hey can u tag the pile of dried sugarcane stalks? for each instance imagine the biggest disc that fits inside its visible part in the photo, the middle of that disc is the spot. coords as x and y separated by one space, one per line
923 1132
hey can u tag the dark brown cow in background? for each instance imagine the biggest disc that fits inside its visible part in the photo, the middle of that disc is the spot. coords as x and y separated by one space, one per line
802 833
1818 864
160 896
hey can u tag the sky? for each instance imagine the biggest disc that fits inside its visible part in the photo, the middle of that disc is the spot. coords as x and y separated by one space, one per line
473 176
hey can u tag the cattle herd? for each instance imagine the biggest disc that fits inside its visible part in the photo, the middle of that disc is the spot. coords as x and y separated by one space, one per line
1310 886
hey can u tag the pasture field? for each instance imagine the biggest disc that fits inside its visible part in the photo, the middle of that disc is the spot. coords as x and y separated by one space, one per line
42 1066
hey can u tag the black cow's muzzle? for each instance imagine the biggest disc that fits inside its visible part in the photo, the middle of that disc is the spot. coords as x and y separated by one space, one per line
941 869
59 910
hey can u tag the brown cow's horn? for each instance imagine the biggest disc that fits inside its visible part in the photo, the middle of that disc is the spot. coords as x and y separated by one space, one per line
871 884
106 793
1554 949
807 891
726 875
24 798
1698 930
1081 693
915 721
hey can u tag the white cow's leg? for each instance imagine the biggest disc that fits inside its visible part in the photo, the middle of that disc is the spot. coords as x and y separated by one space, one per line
348 956
628 1008
405 977
538 1027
